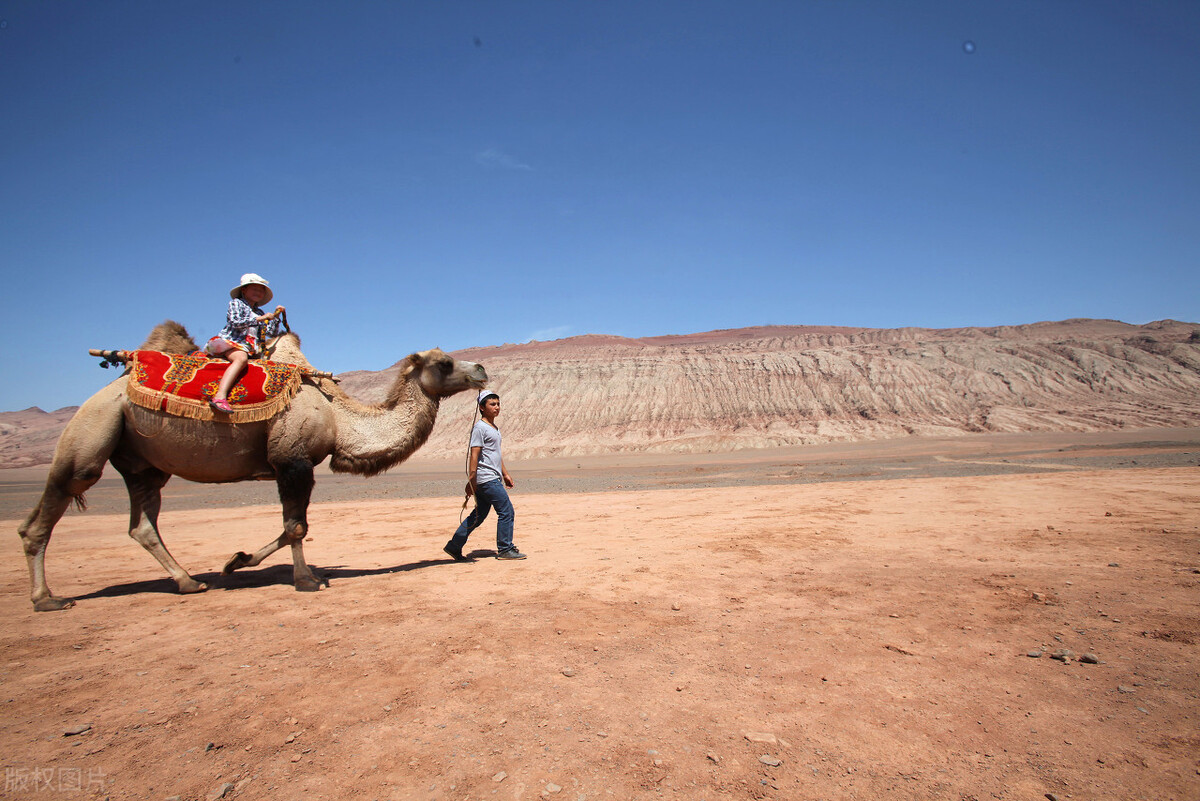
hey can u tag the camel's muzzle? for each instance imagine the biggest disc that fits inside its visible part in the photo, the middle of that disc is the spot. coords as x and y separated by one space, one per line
476 375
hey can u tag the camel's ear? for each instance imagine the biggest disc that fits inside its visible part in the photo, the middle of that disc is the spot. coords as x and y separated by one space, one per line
415 362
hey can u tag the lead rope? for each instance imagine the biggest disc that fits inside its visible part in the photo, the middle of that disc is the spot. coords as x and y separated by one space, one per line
467 467
265 352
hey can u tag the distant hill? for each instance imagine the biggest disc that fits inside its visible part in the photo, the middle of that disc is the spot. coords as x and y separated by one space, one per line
792 385
28 437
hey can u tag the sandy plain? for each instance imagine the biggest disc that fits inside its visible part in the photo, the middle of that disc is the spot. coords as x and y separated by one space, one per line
841 621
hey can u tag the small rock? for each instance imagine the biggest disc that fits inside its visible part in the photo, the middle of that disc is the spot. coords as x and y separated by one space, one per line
1051 797
1121 688
1089 659
220 792
675 607
1034 654
291 738
499 777
297 757
553 788
716 760
767 759
761 737
568 672
209 747
1114 564
1062 655
80 729
1037 596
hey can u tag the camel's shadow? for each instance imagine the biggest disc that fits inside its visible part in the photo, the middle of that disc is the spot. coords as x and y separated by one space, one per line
248 578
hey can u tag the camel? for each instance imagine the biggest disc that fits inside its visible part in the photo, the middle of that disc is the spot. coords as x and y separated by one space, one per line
147 447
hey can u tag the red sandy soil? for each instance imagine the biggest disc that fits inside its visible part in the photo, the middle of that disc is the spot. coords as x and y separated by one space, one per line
844 639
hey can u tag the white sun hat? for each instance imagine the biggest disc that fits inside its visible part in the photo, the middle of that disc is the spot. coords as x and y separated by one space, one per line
252 278
484 394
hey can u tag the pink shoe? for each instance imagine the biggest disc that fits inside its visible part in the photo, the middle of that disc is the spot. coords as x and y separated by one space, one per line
221 405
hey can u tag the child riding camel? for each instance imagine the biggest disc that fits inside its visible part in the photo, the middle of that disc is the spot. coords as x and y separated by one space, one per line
238 340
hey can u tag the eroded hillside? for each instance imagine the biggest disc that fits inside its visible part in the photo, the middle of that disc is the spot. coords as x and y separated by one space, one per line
772 386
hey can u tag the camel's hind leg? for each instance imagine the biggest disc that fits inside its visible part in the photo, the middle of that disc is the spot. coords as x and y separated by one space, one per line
85 445
145 501
35 536
295 480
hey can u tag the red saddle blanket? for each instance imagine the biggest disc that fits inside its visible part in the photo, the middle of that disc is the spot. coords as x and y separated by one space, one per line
183 384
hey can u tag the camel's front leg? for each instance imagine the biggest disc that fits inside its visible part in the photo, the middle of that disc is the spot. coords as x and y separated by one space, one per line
295 480
145 501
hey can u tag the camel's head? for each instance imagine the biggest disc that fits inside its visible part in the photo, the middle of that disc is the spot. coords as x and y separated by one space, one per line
441 376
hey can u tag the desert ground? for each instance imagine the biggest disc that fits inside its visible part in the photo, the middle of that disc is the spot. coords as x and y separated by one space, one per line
864 620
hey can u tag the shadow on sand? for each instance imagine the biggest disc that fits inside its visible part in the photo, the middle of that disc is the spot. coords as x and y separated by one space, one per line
247 578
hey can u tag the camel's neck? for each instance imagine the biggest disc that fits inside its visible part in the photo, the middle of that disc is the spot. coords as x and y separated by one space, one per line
371 439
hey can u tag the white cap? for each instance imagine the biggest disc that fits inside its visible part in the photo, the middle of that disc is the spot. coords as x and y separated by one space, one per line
484 394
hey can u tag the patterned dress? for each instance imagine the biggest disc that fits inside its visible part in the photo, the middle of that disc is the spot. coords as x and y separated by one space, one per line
241 329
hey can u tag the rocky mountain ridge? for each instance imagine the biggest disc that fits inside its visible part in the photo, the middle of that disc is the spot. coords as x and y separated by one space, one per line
793 385
775 386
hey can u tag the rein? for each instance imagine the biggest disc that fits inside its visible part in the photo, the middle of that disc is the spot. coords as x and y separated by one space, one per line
467 496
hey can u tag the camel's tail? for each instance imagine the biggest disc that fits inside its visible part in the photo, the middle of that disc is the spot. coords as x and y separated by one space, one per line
80 505
21 529
79 500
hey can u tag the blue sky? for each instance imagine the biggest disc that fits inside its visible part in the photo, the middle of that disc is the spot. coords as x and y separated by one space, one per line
412 174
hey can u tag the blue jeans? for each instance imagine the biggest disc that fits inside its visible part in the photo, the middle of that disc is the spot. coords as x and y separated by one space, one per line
488 496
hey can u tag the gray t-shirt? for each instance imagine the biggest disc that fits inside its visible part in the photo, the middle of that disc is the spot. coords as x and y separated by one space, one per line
487 439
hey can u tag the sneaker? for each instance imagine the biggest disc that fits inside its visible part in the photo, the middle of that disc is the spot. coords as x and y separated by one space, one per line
513 554
455 552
